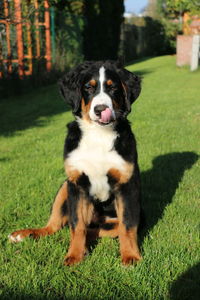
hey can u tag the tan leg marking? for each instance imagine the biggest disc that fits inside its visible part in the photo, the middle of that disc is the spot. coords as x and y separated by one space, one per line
56 220
122 177
77 247
73 174
127 238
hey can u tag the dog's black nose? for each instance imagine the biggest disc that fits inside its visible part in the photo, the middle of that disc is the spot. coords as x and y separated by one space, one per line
99 108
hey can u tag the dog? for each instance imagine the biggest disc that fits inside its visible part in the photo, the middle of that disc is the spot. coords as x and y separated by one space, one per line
101 196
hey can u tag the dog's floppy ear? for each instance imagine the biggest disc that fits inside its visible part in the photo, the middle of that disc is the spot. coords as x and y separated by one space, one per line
132 87
70 89
70 86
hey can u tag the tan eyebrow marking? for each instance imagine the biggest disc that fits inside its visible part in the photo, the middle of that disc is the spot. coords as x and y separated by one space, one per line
109 82
93 82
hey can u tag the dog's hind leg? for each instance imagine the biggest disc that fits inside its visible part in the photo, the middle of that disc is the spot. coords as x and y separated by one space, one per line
58 218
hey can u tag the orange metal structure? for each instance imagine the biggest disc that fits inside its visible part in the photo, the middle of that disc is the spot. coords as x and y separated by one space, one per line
47 35
25 38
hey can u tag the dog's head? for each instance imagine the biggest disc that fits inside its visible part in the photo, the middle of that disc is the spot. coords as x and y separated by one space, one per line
100 92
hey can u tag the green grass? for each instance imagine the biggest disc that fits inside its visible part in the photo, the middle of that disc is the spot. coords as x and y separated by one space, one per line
166 124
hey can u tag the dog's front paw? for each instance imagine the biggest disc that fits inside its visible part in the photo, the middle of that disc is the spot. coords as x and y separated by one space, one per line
72 260
19 235
131 258
15 238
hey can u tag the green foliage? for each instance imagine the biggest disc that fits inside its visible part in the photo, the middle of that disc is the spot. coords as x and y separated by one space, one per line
192 6
160 36
131 47
69 23
148 37
84 29
168 12
87 29
166 123
75 6
171 7
172 29
155 37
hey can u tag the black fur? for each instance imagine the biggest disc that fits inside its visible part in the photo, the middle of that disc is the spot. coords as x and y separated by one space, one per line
130 193
73 138
74 195
64 209
70 86
84 183
125 143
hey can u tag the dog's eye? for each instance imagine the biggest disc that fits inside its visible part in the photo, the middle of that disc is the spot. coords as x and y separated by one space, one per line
88 87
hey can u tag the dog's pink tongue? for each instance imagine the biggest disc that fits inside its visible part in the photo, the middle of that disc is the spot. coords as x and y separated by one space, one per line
106 115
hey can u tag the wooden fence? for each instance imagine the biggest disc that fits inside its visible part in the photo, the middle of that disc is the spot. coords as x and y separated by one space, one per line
25 36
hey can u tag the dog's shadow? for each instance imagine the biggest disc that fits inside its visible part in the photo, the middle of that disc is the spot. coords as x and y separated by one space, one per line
187 286
159 185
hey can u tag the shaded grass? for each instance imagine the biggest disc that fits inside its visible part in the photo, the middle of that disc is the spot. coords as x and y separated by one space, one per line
31 109
166 123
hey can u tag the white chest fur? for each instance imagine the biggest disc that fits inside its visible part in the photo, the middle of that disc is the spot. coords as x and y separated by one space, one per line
95 156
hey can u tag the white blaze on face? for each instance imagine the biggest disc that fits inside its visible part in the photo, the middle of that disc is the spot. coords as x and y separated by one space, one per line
101 78
102 98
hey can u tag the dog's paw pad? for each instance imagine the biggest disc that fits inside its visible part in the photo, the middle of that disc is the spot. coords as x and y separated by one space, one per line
15 238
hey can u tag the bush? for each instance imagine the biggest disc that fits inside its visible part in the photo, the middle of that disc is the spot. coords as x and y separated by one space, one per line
148 37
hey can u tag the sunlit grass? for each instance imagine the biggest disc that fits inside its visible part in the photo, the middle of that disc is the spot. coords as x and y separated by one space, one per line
165 120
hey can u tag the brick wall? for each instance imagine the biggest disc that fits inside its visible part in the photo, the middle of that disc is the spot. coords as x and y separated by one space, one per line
184 50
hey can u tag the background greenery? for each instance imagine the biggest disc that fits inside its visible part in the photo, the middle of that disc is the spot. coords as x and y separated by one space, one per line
174 8
95 30
165 120
84 29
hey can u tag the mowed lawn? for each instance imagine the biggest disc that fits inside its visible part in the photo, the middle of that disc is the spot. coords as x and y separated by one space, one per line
166 122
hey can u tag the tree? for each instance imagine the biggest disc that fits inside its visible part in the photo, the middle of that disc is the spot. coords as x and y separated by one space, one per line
102 27
175 7
95 26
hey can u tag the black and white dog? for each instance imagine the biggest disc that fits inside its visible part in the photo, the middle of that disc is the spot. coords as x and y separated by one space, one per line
101 196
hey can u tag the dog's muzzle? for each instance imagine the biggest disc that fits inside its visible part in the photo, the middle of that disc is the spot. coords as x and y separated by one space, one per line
104 114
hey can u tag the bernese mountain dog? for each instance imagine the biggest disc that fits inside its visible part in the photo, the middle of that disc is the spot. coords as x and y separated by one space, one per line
101 196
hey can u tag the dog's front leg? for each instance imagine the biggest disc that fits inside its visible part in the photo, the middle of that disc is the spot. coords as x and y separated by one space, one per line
58 219
80 215
128 212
